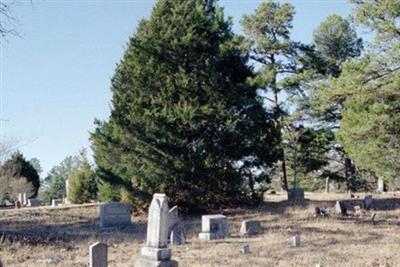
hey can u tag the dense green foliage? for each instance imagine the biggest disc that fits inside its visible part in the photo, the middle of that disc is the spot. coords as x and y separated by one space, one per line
82 184
184 121
17 167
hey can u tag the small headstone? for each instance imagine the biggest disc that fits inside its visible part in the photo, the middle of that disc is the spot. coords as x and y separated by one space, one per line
214 227
156 252
56 202
245 249
296 241
381 185
98 255
295 194
341 208
115 214
368 202
176 230
33 202
17 204
250 227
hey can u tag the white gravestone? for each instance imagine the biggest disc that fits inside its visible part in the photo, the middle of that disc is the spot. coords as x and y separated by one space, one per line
56 202
176 231
33 202
67 192
98 255
156 252
115 214
213 227
20 198
250 227
24 199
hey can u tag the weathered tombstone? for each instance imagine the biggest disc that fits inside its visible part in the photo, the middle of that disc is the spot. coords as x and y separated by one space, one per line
340 208
214 227
115 214
156 252
381 185
66 200
98 255
296 241
176 231
20 198
250 227
295 194
368 202
245 249
56 202
33 202
24 199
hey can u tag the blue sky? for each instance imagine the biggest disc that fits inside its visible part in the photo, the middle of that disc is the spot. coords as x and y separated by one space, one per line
55 80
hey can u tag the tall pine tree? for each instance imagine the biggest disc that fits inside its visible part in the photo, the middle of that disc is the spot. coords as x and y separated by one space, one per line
184 121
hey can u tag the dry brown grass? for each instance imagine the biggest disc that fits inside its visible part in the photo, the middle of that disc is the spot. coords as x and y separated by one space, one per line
66 235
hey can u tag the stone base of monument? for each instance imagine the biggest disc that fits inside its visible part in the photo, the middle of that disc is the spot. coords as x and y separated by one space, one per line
214 227
155 257
295 194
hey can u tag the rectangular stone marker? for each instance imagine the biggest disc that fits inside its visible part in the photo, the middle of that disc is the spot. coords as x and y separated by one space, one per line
156 252
250 227
24 199
296 241
115 214
56 202
295 194
368 202
33 202
20 198
66 200
245 249
98 255
176 231
214 227
340 208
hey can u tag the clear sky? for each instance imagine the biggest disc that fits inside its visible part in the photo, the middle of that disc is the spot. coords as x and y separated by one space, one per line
55 80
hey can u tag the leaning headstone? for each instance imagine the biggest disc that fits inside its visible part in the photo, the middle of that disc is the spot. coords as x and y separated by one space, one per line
115 214
176 230
340 208
33 202
214 227
368 202
296 241
98 255
250 227
156 252
56 202
295 194
245 249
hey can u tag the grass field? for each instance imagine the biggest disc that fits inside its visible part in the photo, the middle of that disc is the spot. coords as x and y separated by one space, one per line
61 237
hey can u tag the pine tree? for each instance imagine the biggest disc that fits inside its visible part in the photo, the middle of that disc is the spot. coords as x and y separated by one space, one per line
184 121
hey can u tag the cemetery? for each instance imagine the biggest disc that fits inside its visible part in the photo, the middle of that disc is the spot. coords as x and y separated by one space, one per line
200 133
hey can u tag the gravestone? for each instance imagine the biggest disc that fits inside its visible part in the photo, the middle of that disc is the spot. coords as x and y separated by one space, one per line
24 199
176 231
368 202
115 214
340 208
20 198
156 252
296 241
295 194
33 202
56 202
214 227
98 255
381 185
245 249
17 204
250 227
66 200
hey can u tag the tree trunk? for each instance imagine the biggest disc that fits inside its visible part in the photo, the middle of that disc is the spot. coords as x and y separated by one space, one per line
283 174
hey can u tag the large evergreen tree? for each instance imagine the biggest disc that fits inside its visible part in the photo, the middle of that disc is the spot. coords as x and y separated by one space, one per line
184 121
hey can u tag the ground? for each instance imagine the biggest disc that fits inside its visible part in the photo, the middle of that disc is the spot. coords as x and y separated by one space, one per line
61 237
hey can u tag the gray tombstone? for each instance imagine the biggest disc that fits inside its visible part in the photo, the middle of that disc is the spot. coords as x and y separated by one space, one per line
98 255
56 202
115 214
33 202
296 241
250 227
156 252
381 185
214 227
176 231
245 249
340 208
295 194
368 202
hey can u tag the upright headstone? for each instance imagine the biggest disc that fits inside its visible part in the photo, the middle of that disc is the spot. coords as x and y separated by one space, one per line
176 231
381 185
250 227
368 202
24 199
115 214
56 202
33 202
213 227
20 198
98 255
66 200
295 194
340 208
296 241
17 204
245 249
156 252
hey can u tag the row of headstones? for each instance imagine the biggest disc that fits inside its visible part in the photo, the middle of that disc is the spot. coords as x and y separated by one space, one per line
23 201
342 209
